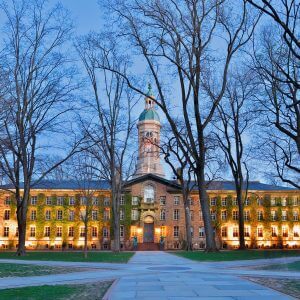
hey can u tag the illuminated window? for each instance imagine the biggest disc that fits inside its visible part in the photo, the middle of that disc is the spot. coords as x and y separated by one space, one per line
223 215
224 231
274 231
246 215
6 214
235 232
260 232
285 231
260 215
94 231
47 231
71 231
295 216
163 231
82 232
6 232
32 231
247 231
273 215
58 231
284 215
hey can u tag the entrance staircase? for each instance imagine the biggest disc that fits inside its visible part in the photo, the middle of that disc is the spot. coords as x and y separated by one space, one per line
148 247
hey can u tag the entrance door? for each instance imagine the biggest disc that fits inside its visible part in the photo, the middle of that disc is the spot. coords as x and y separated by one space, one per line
148 232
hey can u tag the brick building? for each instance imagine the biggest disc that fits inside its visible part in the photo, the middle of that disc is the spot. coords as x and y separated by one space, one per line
151 207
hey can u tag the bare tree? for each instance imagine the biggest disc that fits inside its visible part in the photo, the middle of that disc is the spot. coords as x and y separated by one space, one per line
39 87
110 132
86 174
234 119
177 41
184 174
276 57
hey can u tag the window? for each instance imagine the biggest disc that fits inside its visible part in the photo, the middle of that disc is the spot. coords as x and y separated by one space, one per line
149 194
246 215
191 201
122 214
122 200
106 214
224 231
95 201
273 215
259 231
213 201
94 231
94 215
135 200
176 200
274 231
260 215
83 200
59 214
134 214
33 200
234 201
284 215
60 201
7 200
247 231
200 215
6 232
32 231
201 232
235 215
105 232
259 201
224 215
285 231
224 201
48 215
71 215
33 215
235 232
247 201
58 231
48 200
6 214
176 231
176 214
162 214
122 231
72 201
17 231
47 231
283 202
213 215
162 200
82 232
163 231
295 216
106 201
295 201
273 202
296 231
71 231
192 231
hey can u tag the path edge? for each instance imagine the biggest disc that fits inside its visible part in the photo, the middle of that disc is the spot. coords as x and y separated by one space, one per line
107 295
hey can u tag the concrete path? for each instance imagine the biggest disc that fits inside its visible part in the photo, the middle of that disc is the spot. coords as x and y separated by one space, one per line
160 275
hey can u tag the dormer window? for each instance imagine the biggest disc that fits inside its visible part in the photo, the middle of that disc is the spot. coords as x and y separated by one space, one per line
149 194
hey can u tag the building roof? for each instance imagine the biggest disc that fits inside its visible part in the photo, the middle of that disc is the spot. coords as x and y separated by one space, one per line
149 114
105 185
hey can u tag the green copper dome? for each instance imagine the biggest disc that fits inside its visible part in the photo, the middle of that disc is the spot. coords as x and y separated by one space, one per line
149 114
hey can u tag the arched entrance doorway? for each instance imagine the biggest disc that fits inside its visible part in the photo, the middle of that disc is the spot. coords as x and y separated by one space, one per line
148 229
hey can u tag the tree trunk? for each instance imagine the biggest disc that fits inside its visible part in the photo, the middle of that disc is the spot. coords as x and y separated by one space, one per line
241 219
189 244
85 240
22 220
116 220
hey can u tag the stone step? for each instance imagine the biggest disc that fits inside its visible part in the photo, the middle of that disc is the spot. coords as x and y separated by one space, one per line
148 247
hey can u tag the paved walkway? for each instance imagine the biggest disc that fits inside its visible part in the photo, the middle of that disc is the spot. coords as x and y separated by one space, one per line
159 275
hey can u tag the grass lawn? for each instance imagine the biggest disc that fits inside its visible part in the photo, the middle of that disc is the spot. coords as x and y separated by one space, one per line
294 266
17 270
236 254
286 286
58 292
110 257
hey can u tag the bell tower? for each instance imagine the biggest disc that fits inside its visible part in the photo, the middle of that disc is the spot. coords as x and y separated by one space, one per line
149 139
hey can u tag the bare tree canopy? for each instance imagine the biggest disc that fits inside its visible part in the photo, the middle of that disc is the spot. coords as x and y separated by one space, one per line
39 84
